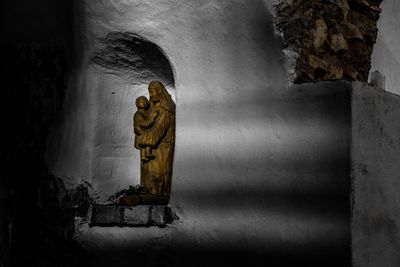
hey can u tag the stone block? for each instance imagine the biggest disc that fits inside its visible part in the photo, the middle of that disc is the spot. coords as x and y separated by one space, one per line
158 215
140 215
137 215
143 199
106 215
161 215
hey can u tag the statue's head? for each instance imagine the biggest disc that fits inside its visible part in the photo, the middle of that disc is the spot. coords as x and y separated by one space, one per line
155 91
142 102
158 93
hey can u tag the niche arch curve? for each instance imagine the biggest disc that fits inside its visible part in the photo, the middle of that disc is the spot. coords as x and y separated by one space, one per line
94 140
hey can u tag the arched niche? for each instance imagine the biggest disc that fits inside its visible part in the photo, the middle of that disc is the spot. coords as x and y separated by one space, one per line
94 142
136 62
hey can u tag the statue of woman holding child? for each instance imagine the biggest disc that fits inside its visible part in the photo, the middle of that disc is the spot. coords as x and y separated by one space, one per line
154 127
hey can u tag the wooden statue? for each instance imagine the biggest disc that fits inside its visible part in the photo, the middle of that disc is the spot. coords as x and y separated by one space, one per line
154 127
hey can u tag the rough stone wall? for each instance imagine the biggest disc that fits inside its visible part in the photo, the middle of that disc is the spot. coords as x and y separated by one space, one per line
329 40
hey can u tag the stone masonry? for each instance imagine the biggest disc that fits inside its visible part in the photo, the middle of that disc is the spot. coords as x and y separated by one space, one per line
329 39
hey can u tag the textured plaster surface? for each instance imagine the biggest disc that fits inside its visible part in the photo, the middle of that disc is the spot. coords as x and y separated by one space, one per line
259 165
376 177
386 55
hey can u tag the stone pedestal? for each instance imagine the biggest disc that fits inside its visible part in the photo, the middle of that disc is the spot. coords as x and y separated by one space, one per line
143 199
140 215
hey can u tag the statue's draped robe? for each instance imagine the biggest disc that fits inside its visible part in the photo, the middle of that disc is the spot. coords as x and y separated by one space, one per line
141 120
156 174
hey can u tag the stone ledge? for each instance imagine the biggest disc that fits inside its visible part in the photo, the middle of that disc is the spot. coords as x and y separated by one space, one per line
136 216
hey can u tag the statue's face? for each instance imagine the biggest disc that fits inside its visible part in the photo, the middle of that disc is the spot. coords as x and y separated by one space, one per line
154 95
142 103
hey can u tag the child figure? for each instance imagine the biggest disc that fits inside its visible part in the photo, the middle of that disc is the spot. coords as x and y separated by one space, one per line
142 120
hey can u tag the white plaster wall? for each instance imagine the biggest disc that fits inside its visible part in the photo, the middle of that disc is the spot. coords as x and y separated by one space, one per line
386 54
258 163
224 58
376 173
